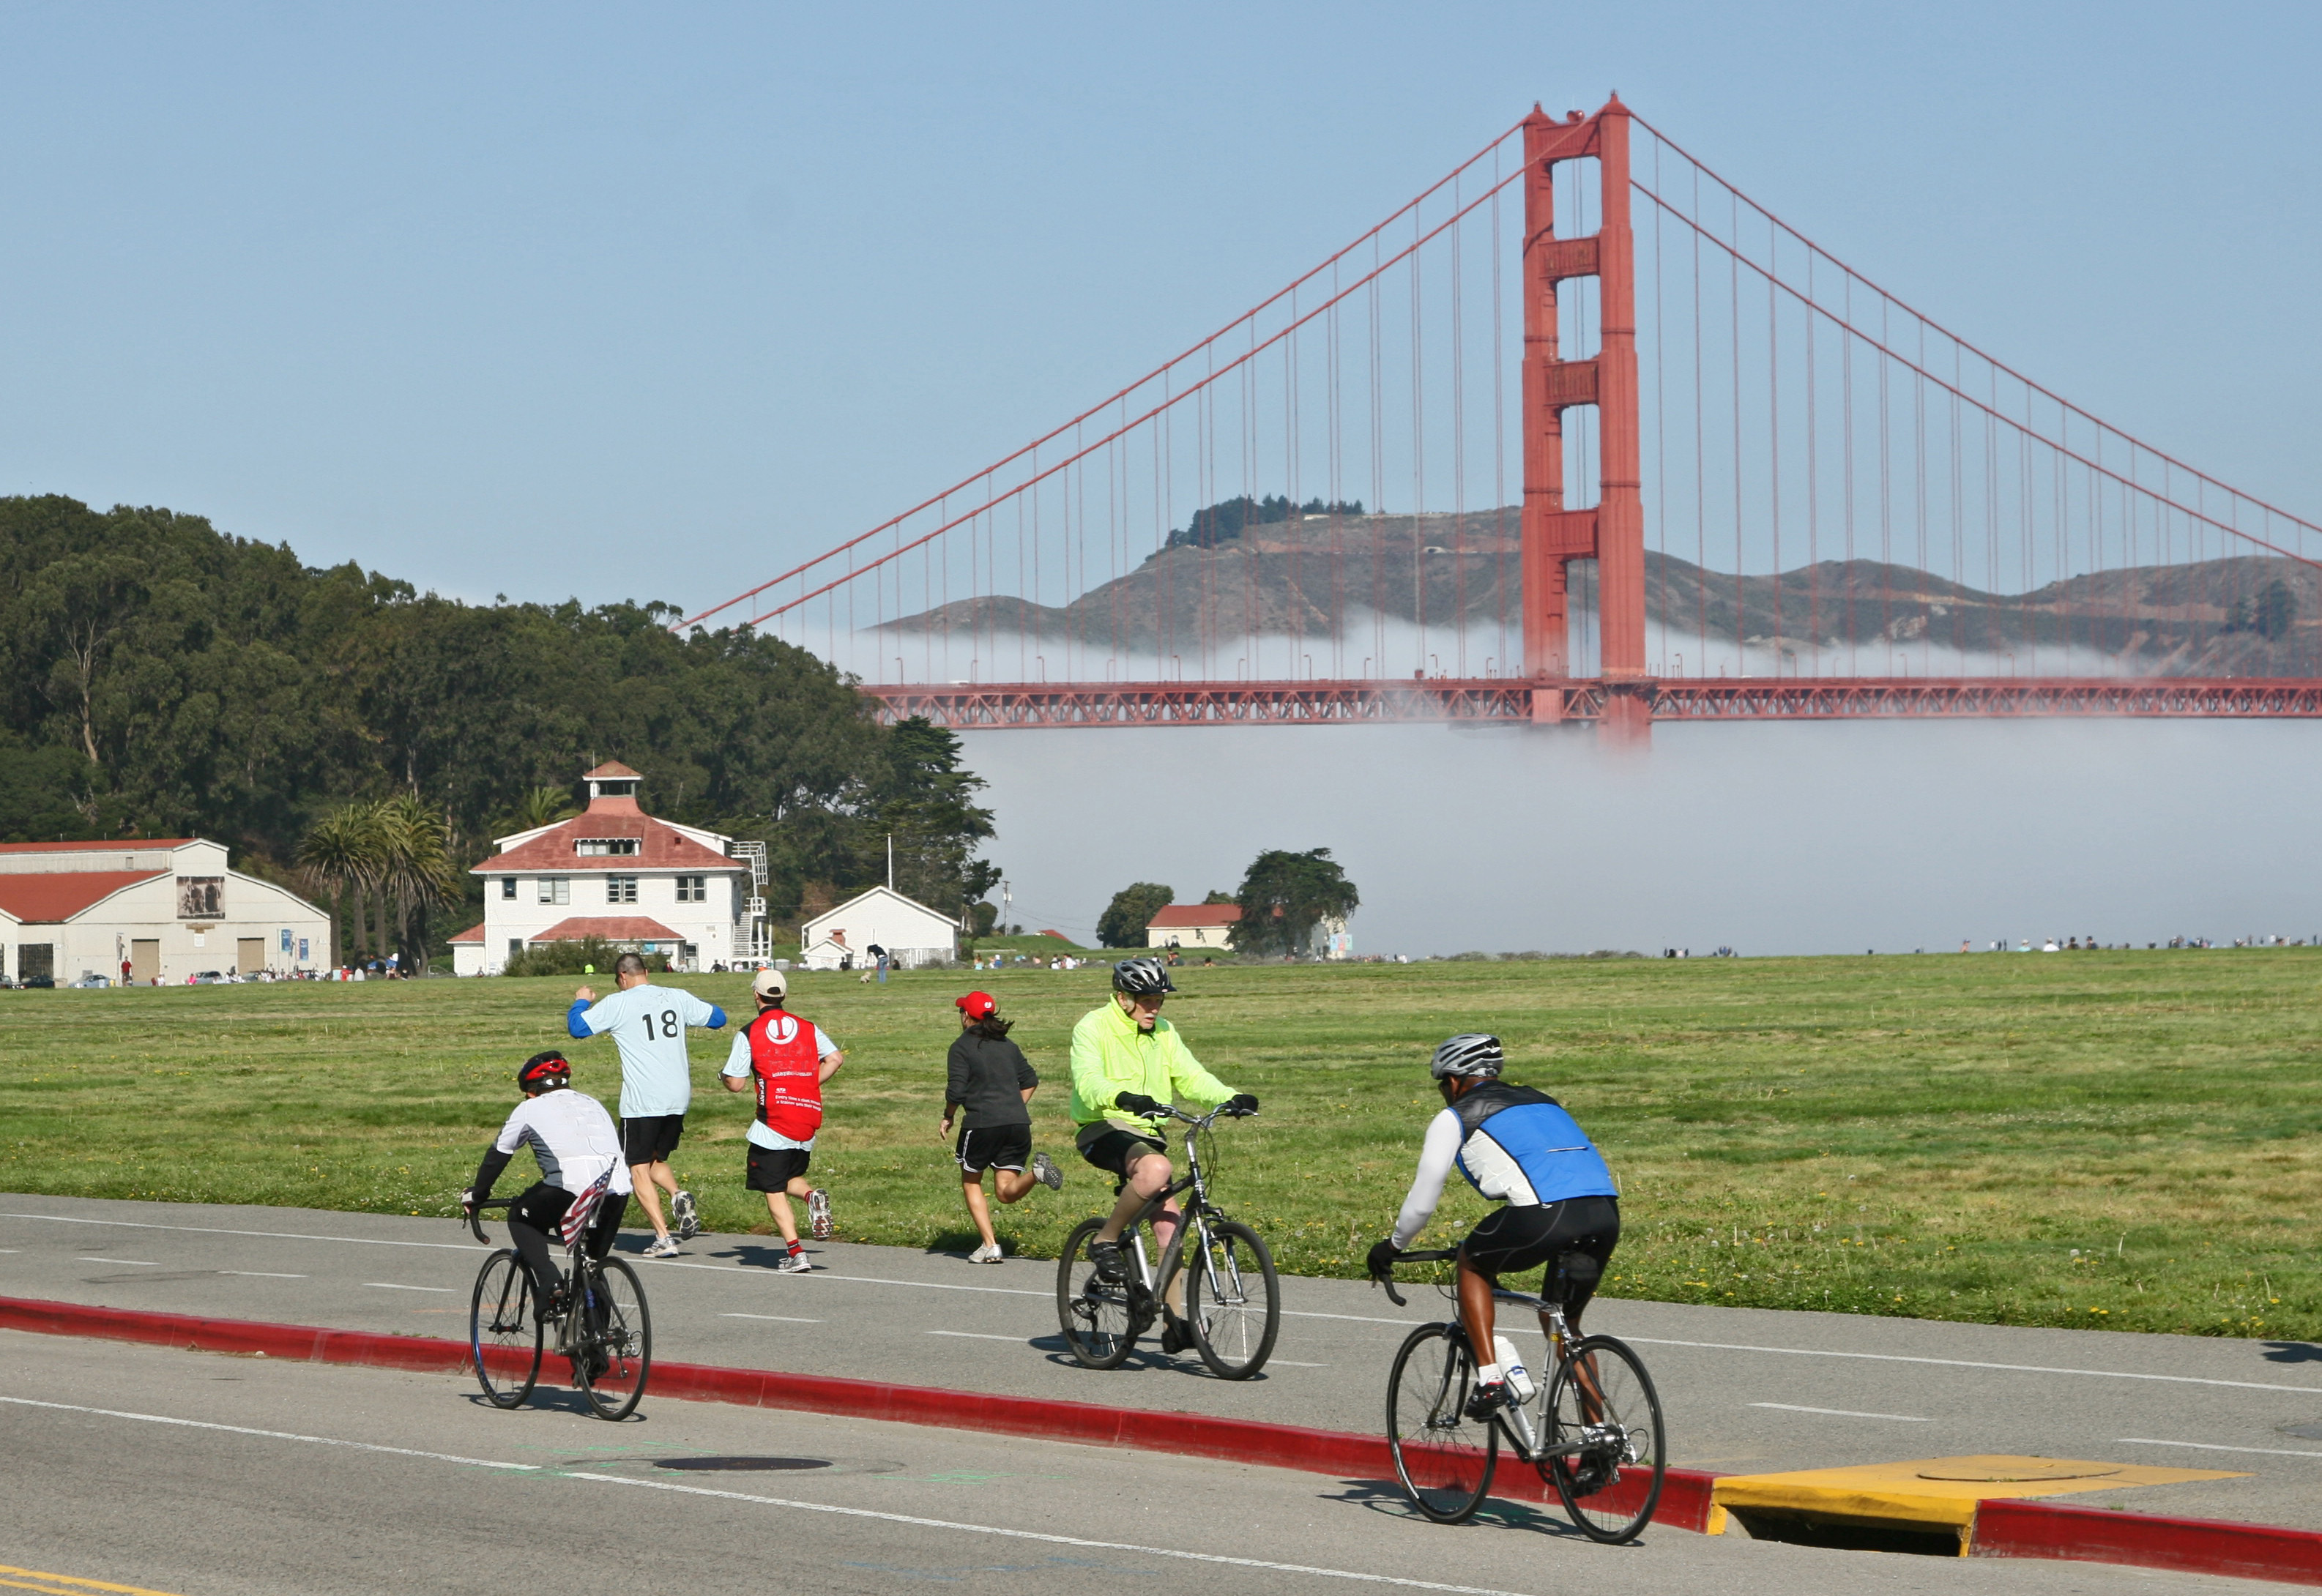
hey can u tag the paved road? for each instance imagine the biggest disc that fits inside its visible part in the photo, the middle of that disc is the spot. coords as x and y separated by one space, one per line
191 1473
1746 1391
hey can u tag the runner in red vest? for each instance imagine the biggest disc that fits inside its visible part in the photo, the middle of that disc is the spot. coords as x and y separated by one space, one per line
788 1059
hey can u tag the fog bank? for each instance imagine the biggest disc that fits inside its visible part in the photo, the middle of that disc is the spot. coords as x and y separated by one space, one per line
1773 838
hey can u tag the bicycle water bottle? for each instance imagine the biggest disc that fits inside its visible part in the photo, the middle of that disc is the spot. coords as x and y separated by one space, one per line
1511 1369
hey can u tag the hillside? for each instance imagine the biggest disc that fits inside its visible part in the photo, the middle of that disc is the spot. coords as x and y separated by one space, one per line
2213 619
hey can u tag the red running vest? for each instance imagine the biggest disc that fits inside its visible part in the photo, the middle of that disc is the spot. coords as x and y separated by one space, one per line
786 1061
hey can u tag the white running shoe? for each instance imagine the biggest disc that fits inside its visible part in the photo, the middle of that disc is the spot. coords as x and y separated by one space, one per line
1045 1171
818 1214
689 1217
663 1246
793 1263
987 1254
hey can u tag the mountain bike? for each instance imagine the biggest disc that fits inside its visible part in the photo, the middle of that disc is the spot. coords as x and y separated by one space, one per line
1598 1437
603 1326
1231 1300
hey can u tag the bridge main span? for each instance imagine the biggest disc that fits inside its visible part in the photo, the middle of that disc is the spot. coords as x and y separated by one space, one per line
1196 550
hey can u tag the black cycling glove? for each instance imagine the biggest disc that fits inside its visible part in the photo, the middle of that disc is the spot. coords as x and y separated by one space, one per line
1136 1102
1241 1103
1382 1257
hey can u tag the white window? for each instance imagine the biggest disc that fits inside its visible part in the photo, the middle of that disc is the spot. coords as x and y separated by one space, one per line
507 889
606 845
693 888
620 889
556 889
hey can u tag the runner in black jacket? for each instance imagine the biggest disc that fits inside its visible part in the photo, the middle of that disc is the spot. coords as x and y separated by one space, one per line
988 1077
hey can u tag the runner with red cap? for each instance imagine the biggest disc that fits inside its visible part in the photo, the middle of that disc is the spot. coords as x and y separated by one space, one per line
989 1077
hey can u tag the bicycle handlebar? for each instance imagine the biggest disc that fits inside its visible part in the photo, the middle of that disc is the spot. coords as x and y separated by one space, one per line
475 1224
1436 1255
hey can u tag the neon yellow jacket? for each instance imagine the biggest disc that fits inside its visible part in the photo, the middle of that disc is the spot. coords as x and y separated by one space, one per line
1110 1056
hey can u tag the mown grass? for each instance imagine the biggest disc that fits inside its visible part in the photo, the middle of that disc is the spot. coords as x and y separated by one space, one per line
2124 1140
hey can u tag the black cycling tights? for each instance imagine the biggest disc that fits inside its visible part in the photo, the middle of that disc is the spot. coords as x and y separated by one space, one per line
544 1205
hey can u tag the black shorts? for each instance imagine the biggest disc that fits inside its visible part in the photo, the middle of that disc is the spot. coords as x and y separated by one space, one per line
994 1147
651 1138
772 1169
1514 1240
542 1207
1115 1150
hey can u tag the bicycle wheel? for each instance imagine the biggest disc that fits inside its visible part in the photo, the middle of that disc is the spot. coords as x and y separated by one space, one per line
1231 1299
1603 1399
1098 1323
503 1333
612 1339
1444 1459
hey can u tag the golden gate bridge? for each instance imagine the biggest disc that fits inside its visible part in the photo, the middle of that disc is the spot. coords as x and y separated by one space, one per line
1581 433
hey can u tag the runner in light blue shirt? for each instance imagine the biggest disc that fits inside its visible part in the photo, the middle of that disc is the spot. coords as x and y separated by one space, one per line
647 1022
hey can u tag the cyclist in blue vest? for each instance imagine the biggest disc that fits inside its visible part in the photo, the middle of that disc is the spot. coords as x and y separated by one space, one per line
1519 1147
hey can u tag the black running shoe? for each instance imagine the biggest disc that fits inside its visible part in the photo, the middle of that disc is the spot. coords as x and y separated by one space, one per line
1106 1256
1176 1335
1488 1400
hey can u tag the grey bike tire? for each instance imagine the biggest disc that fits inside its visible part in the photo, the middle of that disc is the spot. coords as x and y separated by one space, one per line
1614 1347
603 1404
1194 1278
1459 1511
506 1392
1076 1248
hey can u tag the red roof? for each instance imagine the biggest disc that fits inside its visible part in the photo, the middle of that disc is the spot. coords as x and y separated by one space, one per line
611 927
101 845
1194 914
660 845
61 894
474 933
612 769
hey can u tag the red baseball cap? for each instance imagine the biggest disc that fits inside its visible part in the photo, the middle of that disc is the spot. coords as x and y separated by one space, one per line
976 1005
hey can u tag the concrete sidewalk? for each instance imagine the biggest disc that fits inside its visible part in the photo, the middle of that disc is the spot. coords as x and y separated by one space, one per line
1745 1390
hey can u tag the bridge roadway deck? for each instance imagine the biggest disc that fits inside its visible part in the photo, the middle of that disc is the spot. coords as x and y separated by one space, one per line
1746 1391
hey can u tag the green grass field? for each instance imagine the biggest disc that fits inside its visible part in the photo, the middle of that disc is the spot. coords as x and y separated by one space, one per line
2123 1140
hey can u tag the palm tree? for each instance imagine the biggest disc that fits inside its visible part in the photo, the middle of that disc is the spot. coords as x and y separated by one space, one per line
343 854
541 807
418 866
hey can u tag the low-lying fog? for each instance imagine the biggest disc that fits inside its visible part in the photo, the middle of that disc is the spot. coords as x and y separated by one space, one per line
1774 838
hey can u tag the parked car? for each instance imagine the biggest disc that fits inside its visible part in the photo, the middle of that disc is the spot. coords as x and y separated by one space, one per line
90 979
207 978
38 980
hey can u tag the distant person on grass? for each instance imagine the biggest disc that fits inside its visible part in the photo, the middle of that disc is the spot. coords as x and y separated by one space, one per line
787 1059
648 1026
988 1077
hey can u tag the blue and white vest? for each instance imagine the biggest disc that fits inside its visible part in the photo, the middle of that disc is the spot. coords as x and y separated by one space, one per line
1521 1147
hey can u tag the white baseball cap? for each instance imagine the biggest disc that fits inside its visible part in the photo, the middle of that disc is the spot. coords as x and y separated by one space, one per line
770 983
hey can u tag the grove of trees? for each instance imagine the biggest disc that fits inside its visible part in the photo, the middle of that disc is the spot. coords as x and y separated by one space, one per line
1284 899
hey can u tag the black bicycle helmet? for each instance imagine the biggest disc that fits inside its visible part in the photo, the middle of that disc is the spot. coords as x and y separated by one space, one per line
542 1068
1471 1053
1142 977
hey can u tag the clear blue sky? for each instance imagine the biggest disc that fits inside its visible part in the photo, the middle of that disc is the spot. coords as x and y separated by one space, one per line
643 301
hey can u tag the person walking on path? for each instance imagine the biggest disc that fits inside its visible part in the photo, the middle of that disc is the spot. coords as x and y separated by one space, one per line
787 1059
988 1077
648 1026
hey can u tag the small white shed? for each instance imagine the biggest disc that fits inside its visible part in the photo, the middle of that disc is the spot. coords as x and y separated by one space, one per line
913 933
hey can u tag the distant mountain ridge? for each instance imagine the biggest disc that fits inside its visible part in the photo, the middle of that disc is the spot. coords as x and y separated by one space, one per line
2239 616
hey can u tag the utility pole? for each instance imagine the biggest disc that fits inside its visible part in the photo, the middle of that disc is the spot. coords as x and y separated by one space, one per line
891 861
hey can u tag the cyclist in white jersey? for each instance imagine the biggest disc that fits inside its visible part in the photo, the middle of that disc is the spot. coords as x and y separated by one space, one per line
647 1024
574 1141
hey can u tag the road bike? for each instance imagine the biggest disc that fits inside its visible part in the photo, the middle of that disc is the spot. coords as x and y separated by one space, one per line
603 1326
1598 1437
1230 1301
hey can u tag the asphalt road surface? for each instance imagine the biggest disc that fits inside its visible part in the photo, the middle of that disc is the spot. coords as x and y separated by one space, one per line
1745 1390
193 1473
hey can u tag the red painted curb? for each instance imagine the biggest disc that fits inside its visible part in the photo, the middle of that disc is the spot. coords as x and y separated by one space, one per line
2147 1540
1684 1492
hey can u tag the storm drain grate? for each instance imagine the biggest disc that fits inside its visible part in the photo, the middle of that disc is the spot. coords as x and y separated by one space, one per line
741 1464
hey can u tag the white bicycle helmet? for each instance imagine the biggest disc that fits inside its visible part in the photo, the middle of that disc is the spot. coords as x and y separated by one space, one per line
1471 1053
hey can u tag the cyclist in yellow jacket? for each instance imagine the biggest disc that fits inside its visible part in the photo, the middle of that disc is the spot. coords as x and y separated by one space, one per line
1127 1061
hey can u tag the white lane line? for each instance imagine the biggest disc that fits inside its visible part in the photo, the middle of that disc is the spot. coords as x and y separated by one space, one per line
236 1430
782 1319
380 1285
980 1336
1844 1412
139 1263
1031 1535
2206 1447
1294 1363
1890 1357
261 1274
368 1241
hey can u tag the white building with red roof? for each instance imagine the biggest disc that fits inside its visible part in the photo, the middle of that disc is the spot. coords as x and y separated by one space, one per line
1193 925
167 910
614 871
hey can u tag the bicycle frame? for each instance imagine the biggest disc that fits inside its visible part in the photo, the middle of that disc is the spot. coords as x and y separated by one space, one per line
1155 1279
1514 1421
579 1269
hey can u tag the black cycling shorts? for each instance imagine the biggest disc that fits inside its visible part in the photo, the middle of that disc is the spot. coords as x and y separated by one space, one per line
1512 1240
1115 1150
542 1207
994 1147
651 1138
772 1169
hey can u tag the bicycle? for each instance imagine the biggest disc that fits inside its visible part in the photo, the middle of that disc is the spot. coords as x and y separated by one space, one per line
1232 1302
1600 1440
609 1340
